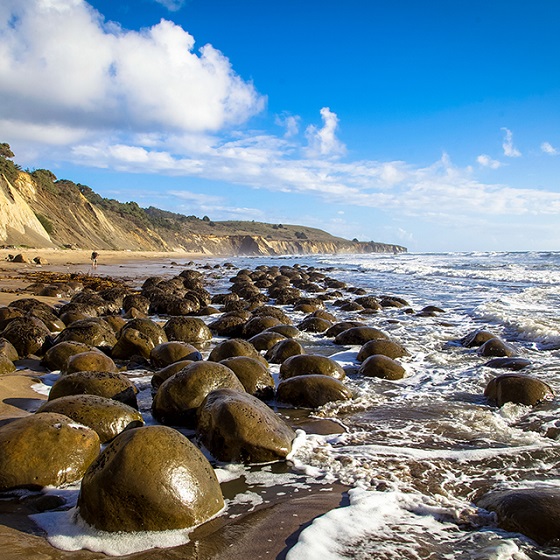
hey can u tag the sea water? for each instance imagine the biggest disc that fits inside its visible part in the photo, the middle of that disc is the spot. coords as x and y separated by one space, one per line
420 451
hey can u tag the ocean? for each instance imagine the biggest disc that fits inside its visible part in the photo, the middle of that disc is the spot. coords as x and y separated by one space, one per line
418 452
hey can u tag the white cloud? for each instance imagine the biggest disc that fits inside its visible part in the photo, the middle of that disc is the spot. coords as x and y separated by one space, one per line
323 141
487 161
549 149
171 5
290 123
62 65
509 149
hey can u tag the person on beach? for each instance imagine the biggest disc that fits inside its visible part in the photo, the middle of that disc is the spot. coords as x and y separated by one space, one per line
94 256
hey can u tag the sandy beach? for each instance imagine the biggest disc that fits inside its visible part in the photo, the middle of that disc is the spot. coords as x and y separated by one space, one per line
266 532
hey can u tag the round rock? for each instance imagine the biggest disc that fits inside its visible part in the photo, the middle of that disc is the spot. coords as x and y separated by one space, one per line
312 391
383 367
149 479
170 352
306 364
388 348
519 389
187 329
93 360
254 376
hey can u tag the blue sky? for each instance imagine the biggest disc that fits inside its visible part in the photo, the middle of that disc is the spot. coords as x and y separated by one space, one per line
432 124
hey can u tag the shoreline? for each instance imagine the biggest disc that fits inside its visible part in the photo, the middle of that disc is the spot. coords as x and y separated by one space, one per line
268 530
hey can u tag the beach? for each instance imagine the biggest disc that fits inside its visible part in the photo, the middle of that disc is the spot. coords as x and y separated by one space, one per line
267 532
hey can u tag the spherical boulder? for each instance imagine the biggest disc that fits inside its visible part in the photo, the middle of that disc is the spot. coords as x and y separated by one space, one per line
514 364
92 360
148 327
132 342
93 331
312 391
534 512
283 350
315 325
496 347
359 335
8 350
26 334
187 329
6 365
266 340
342 326
170 352
388 348
57 356
232 347
149 479
102 383
179 396
289 331
517 388
307 364
253 374
236 426
476 338
165 373
107 417
378 365
45 450
230 324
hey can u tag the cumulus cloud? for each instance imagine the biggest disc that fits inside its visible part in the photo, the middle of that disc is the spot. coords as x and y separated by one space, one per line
487 161
549 149
290 123
62 65
509 149
323 141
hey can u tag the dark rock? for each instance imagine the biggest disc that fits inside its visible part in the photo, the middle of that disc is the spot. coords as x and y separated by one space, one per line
514 364
92 360
517 388
27 335
232 347
94 331
229 324
258 324
266 340
170 352
312 391
149 479
476 338
386 347
337 328
496 347
236 426
534 512
6 365
254 376
359 335
45 450
315 325
136 301
288 331
165 373
179 396
382 366
102 383
187 329
283 350
132 343
107 417
306 364
56 358
148 327
368 302
8 350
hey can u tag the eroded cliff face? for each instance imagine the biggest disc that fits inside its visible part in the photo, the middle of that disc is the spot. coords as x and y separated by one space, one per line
38 215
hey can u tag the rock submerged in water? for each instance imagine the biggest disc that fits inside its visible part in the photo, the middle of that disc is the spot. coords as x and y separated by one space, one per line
378 365
236 426
46 449
308 364
517 388
149 479
312 391
496 347
535 512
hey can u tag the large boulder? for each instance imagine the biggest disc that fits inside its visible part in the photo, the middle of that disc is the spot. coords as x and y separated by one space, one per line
165 373
496 347
7 349
94 331
514 364
388 348
6 365
312 391
359 335
232 347
315 325
27 335
187 329
230 324
57 356
107 417
382 366
283 350
307 364
535 512
92 360
45 450
132 342
149 479
179 396
342 326
266 340
170 352
253 374
236 426
102 383
476 338
517 388
148 327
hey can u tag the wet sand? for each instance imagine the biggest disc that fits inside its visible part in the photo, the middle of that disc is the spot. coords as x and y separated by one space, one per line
267 532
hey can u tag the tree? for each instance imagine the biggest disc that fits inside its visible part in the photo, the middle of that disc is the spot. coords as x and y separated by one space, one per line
6 151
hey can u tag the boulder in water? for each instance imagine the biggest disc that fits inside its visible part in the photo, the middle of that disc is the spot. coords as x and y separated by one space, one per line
517 388
312 391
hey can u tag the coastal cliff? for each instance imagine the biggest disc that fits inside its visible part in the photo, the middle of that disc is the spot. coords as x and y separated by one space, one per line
38 210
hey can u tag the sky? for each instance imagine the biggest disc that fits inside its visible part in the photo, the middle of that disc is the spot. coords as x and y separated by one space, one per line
432 124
